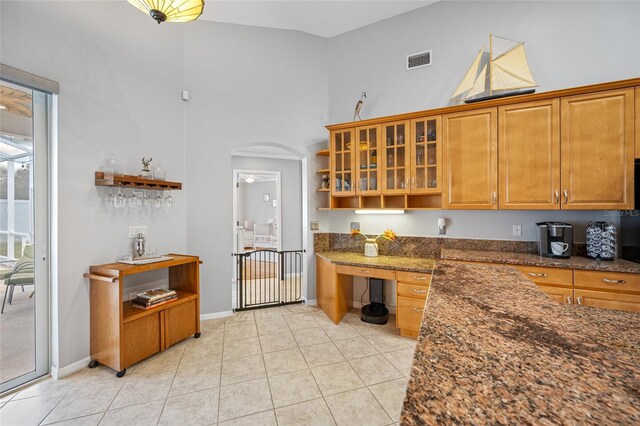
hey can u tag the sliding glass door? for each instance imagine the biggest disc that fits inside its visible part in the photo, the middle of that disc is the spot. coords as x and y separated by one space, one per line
24 234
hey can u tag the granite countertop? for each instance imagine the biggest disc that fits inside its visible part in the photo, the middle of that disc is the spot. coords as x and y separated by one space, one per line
398 263
493 349
575 262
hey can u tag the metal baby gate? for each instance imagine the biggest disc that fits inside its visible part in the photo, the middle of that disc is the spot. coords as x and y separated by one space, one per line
268 278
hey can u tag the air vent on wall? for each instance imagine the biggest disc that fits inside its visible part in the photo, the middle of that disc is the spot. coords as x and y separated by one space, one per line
419 60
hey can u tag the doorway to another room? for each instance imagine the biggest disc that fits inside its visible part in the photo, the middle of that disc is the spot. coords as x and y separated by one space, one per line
267 217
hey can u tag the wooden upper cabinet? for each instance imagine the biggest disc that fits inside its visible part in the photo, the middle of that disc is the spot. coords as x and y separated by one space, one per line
396 157
342 163
470 159
597 140
529 155
426 155
367 151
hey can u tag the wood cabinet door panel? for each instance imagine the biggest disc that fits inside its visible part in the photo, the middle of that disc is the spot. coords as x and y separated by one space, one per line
396 157
342 152
426 155
409 313
606 300
419 278
529 155
412 290
597 142
470 160
367 164
180 322
561 295
141 339
637 110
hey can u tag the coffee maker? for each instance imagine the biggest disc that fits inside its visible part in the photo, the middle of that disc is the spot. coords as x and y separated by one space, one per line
555 239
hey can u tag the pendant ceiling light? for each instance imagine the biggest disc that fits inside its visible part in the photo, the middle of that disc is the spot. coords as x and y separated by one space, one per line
170 10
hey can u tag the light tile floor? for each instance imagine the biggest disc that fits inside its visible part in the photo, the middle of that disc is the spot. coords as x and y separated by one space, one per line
279 366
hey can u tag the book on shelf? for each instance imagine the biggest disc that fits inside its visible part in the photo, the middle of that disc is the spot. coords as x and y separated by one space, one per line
148 304
156 294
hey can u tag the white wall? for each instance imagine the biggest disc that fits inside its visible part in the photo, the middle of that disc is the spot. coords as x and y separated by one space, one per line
290 197
120 78
248 86
254 208
568 44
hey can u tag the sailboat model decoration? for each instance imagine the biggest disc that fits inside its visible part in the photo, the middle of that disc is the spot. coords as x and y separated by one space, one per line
504 68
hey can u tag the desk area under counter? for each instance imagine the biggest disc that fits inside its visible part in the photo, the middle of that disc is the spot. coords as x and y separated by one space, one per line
334 282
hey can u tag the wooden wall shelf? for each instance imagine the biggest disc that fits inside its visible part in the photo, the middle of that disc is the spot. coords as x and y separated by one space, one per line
122 335
323 153
129 181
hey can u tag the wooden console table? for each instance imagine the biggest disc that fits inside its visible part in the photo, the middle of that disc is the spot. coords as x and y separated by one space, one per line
122 335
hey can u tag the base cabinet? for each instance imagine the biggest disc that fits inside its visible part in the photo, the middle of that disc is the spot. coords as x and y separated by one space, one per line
180 322
607 300
562 295
141 338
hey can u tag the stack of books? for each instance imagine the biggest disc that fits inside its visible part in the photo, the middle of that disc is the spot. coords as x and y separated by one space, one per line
152 298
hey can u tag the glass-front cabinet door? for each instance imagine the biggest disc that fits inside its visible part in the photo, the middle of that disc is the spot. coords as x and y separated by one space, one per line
367 160
426 155
342 163
396 157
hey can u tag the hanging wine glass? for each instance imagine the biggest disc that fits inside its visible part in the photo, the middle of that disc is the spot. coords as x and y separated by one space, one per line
146 200
168 201
131 200
120 201
109 199
157 202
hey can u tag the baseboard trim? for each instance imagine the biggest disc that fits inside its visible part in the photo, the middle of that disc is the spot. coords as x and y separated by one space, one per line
392 309
311 302
60 373
216 315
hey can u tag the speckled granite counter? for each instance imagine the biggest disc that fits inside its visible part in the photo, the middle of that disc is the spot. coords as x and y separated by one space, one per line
493 349
575 262
398 263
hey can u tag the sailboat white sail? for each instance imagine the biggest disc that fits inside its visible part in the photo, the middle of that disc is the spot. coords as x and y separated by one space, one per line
508 72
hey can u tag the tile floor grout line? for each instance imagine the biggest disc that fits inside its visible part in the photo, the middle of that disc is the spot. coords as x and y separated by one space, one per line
224 330
173 379
273 405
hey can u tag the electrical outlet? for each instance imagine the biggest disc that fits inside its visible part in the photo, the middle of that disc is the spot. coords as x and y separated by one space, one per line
315 225
355 225
135 230
517 230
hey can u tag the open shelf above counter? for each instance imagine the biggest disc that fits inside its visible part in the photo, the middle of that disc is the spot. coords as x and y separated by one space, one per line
129 181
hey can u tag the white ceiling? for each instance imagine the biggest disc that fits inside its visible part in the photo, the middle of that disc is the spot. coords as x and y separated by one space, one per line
326 18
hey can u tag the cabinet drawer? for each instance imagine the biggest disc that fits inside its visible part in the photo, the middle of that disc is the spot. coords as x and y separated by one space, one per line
412 290
562 295
141 339
541 275
363 271
608 281
418 278
606 300
409 313
180 322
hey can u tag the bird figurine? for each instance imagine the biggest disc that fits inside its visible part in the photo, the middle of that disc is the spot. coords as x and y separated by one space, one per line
356 113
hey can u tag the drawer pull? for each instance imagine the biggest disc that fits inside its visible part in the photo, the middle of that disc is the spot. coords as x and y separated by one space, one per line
417 309
364 271
420 278
419 291
608 281
533 274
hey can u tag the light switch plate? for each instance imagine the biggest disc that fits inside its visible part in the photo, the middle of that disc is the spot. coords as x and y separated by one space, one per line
135 230
314 225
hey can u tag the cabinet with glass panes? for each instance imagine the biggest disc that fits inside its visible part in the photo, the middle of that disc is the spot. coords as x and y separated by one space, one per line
367 160
426 156
396 158
342 163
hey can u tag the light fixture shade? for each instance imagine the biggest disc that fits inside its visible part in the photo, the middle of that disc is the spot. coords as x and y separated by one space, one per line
170 10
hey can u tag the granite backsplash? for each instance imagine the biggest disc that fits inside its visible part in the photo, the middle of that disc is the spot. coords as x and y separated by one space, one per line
424 246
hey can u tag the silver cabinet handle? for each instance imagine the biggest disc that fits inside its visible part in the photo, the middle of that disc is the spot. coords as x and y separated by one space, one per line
420 278
557 193
568 300
494 197
533 274
579 299
566 196
419 291
417 309
608 281
364 271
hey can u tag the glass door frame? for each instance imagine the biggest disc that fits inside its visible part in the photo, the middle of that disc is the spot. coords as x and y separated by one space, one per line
42 106
368 170
438 155
395 145
335 152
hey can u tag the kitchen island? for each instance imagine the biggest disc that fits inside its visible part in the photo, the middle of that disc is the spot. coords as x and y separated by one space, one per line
494 349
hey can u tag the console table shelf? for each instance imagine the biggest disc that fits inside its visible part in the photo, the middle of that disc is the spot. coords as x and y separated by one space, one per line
122 335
